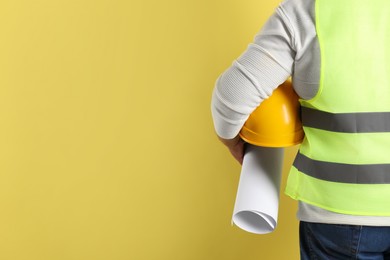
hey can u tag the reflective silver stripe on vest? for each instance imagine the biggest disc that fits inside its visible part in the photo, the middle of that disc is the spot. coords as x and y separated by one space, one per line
346 173
376 122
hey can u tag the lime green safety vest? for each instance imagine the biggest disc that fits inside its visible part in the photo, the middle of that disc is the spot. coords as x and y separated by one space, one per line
343 164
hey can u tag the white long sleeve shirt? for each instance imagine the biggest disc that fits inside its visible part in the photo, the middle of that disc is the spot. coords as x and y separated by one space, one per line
286 46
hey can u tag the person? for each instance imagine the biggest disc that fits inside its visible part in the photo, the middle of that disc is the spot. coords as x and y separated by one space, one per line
337 53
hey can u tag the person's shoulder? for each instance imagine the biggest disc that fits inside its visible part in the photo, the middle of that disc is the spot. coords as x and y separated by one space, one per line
297 5
298 9
298 2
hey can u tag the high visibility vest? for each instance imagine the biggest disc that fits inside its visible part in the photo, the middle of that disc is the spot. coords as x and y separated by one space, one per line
343 164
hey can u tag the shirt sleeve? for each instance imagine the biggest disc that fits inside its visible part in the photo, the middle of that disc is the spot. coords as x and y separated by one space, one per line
265 64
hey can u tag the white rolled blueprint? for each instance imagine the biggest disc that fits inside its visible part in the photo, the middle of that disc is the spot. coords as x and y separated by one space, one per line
257 200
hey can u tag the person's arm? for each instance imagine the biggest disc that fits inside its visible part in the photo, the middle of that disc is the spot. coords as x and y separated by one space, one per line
265 64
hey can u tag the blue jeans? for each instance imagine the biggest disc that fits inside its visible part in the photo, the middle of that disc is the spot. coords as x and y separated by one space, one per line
330 241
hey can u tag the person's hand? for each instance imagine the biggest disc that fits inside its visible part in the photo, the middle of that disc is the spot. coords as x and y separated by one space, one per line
236 147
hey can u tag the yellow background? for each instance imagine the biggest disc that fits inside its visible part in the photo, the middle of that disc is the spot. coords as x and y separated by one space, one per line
107 149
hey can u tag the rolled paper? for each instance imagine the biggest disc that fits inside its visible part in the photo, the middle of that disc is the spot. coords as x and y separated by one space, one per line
257 200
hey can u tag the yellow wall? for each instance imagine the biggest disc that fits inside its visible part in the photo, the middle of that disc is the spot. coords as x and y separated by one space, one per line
107 149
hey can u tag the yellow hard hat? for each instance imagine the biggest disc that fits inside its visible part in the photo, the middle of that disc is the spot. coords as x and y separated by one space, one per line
276 122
